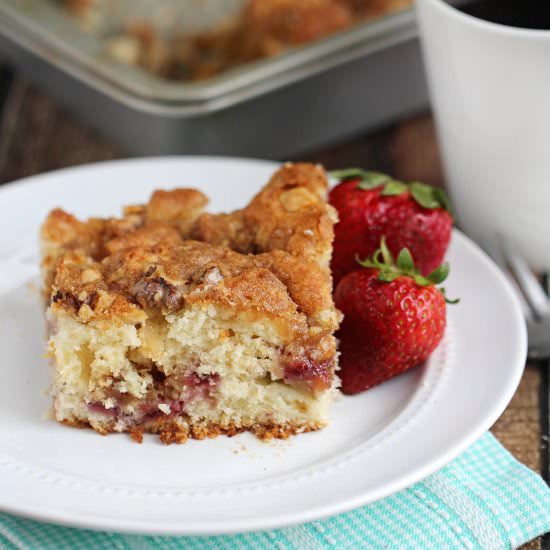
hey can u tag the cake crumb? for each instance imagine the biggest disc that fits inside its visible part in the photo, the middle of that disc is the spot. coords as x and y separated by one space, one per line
33 288
137 435
48 414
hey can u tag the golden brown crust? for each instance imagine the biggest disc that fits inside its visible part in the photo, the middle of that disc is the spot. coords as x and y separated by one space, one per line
163 218
179 208
80 289
305 280
119 269
171 432
169 276
167 214
290 213
144 236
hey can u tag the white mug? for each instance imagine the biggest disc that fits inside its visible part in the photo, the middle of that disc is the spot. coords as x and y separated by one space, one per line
490 93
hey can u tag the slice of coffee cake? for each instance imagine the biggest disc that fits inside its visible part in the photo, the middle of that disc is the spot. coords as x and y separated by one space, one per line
153 332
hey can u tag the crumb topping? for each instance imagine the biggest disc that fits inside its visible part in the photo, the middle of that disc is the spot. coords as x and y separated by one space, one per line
270 258
290 213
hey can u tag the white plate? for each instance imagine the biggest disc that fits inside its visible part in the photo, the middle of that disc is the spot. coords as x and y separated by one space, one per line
377 443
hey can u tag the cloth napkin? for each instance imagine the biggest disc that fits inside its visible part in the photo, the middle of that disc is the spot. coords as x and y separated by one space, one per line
484 499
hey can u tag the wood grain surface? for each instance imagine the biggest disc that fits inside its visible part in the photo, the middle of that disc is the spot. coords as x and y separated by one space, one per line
37 136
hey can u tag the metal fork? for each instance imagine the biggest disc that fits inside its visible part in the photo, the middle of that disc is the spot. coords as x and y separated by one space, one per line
533 294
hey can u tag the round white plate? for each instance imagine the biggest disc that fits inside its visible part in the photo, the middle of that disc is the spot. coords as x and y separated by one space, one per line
377 443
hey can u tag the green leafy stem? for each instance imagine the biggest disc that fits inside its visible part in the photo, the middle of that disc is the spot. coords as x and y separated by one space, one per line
390 269
425 195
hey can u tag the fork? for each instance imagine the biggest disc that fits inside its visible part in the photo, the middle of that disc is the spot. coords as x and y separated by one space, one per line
533 296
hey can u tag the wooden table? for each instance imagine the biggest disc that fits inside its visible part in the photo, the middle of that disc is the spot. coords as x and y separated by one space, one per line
37 136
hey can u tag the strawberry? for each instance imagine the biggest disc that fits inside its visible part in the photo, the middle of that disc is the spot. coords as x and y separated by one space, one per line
371 205
393 318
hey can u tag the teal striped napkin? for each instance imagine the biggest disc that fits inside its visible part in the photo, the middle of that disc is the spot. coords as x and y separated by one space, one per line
484 499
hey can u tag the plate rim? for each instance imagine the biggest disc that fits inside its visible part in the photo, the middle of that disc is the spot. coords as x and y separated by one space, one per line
326 509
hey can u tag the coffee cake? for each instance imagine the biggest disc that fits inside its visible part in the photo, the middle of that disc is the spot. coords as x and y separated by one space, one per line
174 321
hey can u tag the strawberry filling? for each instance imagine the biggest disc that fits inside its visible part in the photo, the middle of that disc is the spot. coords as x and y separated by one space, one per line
98 407
304 371
200 386
147 412
158 407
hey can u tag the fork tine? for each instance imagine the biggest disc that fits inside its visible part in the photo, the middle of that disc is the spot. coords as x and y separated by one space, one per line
546 282
500 259
526 280
539 343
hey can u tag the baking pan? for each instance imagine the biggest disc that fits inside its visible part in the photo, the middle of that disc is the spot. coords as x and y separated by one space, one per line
307 98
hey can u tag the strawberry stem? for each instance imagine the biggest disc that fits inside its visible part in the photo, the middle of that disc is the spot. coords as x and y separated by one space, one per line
389 270
425 195
386 254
